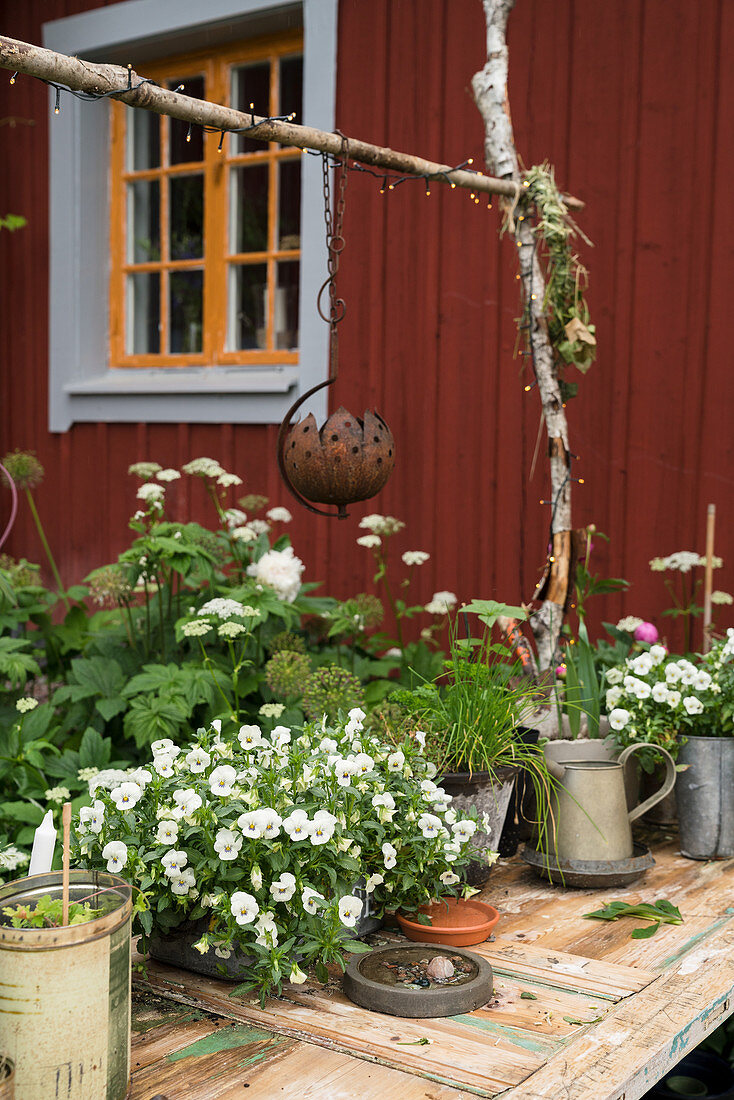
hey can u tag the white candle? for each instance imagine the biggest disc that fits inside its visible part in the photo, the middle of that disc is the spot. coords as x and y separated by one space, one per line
44 843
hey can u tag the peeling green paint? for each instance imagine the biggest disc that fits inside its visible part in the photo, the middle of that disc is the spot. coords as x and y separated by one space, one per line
226 1038
532 1043
142 1024
686 947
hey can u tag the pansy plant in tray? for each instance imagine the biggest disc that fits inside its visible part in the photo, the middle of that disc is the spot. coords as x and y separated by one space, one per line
269 834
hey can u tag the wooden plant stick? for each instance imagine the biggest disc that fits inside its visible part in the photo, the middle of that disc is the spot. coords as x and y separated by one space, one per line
87 76
66 822
708 577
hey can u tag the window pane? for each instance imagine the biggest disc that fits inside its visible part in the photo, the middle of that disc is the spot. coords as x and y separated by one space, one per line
181 151
289 203
249 208
143 313
250 84
185 297
286 305
143 140
186 216
247 306
291 87
143 222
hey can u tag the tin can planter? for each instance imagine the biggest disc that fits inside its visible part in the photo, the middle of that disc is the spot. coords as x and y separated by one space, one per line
705 795
490 793
65 992
457 922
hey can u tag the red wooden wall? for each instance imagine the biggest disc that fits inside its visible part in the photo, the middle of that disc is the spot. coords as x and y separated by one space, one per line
634 104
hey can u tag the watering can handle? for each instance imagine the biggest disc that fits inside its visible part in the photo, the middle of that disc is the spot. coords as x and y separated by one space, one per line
668 783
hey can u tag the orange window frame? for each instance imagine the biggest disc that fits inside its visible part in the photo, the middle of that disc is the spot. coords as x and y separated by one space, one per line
216 167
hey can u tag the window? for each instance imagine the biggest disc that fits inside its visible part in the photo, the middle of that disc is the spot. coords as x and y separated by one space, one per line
184 257
205 242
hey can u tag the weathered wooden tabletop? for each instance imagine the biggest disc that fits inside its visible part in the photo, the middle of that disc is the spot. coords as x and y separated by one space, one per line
609 1015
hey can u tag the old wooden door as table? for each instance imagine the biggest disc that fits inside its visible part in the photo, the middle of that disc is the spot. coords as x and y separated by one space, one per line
580 1010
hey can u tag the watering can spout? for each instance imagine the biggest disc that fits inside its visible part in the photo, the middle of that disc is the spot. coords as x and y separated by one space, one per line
556 770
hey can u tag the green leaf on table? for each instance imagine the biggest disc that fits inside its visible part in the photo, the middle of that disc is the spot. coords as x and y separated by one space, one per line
527 996
644 932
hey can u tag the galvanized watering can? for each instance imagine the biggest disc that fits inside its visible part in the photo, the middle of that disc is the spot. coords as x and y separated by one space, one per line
593 822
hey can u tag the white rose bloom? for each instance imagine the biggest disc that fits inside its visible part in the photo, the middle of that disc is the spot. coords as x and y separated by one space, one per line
614 676
182 882
284 887
308 900
350 909
297 825
390 854
126 796
198 760
658 653
173 862
167 831
619 718
116 855
227 844
243 907
222 779
692 704
250 737
280 569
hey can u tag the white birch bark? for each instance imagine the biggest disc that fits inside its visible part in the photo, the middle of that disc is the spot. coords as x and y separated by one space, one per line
490 93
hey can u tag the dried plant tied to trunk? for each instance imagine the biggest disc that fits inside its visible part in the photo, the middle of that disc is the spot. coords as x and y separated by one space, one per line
490 93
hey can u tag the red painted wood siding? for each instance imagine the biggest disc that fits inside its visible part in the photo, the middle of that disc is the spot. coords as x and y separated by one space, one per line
633 103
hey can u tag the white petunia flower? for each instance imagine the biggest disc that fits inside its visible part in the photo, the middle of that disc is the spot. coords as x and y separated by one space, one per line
116 855
222 780
198 760
350 909
167 831
243 907
126 796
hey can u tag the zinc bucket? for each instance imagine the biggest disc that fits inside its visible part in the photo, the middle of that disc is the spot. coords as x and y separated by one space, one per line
705 792
65 992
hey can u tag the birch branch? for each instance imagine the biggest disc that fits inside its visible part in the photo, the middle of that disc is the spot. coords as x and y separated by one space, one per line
85 76
490 94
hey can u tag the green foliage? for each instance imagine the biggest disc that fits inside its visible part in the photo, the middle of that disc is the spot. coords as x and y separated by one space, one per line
658 912
48 913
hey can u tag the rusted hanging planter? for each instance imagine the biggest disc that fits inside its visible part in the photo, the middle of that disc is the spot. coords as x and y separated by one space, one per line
349 458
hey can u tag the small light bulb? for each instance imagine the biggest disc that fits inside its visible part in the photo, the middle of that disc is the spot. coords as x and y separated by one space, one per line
528 389
291 116
489 206
453 185
525 183
533 297
382 190
471 196
57 110
427 192
188 136
252 106
517 276
521 218
581 480
470 160
391 187
519 244
551 558
12 79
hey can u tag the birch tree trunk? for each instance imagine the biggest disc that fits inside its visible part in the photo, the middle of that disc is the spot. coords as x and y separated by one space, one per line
490 94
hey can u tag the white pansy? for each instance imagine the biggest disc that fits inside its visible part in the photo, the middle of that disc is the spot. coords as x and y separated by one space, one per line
243 907
390 854
328 745
356 714
281 736
464 830
267 930
672 673
221 950
450 817
396 761
614 676
692 704
384 799
373 882
322 827
164 746
167 831
222 779
182 882
173 862
658 653
660 691
126 796
641 665
309 897
619 718
430 825
187 802
251 824
270 822
227 844
116 855
283 888
420 739
350 909
673 699
297 976
163 765
93 816
448 878
198 760
344 770
297 825
256 877
702 681
250 737
141 776
613 696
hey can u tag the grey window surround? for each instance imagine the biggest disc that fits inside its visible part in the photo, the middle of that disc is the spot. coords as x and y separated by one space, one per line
81 385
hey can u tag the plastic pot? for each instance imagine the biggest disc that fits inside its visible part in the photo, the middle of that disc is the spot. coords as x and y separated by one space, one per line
65 992
458 922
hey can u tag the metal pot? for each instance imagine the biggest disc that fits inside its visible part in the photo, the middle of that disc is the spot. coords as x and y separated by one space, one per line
490 793
705 793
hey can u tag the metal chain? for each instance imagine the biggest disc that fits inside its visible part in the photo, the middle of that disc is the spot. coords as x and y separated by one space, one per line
335 242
